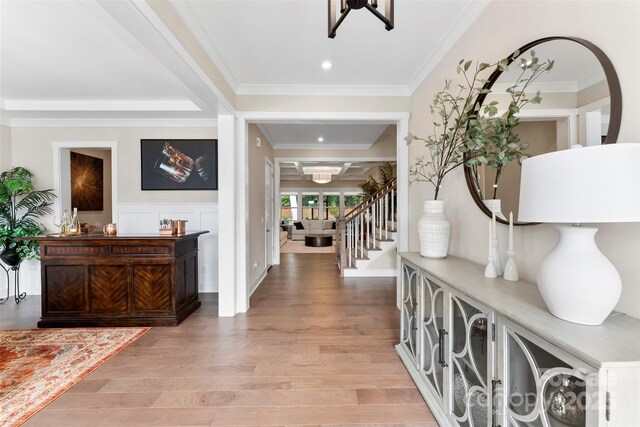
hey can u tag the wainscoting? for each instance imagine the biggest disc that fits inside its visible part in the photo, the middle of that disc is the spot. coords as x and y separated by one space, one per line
145 218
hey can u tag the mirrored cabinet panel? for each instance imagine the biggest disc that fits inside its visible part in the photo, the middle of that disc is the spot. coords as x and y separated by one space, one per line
432 361
471 362
409 328
544 386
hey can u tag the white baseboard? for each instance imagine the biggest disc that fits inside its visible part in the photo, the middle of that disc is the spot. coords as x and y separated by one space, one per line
363 272
256 283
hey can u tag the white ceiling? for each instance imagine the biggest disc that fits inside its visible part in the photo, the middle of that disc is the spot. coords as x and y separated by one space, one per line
116 59
336 136
278 46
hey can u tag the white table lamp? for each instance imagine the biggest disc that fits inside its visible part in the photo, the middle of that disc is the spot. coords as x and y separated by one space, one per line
581 185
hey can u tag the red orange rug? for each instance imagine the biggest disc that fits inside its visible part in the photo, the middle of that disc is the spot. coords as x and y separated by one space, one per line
37 365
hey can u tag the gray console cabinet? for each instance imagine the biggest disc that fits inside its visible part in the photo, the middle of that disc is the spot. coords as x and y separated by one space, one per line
486 352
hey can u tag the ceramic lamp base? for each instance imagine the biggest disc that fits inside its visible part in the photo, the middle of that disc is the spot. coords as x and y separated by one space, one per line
577 282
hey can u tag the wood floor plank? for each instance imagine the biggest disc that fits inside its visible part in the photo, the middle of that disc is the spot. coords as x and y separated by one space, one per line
401 413
314 349
252 398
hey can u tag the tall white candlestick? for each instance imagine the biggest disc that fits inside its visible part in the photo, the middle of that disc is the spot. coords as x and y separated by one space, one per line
510 231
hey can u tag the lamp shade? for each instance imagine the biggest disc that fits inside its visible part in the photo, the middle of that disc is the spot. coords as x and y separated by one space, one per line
582 185
321 178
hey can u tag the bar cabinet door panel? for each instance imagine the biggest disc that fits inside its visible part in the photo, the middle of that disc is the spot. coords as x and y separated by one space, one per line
152 288
65 287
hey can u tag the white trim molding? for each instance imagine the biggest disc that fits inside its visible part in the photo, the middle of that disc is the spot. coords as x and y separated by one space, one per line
109 122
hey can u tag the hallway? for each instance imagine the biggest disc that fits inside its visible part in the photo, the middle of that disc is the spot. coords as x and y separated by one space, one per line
313 349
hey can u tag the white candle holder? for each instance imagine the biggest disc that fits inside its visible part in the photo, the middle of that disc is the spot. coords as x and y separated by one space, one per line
495 255
490 269
510 268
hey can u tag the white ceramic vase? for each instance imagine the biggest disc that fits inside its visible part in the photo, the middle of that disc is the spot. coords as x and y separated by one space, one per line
434 230
495 205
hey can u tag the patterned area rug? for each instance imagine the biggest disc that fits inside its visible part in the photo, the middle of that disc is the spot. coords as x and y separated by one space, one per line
298 247
38 365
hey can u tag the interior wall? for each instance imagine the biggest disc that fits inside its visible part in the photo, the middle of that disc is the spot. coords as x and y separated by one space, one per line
99 218
256 232
32 149
520 23
5 148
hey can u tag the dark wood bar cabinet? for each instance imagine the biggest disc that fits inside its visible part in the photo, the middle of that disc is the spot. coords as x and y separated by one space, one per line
124 280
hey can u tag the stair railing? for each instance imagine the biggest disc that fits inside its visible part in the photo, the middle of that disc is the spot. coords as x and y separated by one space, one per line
368 223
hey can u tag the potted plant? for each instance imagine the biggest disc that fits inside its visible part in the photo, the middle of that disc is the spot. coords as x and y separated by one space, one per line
20 207
453 109
491 141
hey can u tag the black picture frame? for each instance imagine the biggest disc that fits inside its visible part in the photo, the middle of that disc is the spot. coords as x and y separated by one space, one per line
179 164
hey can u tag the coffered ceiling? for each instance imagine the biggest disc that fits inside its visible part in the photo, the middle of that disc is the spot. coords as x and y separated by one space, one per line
344 171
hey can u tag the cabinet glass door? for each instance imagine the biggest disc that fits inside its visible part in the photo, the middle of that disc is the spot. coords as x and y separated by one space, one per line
471 363
543 387
408 321
432 297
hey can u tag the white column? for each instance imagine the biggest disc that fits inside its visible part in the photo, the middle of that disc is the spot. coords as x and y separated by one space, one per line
227 277
341 204
242 214
402 154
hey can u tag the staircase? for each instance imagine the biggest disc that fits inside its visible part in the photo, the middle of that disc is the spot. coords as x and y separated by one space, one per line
366 237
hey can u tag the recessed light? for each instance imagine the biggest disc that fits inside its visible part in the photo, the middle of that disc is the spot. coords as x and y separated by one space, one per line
326 65
321 139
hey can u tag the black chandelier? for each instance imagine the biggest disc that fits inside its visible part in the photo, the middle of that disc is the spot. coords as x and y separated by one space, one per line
347 5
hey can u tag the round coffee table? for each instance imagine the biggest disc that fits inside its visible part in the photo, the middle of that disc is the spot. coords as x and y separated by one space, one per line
318 240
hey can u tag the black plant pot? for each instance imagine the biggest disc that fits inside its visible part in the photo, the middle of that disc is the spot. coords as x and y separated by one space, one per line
10 257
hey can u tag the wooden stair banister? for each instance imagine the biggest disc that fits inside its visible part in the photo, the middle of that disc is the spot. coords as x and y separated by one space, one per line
358 231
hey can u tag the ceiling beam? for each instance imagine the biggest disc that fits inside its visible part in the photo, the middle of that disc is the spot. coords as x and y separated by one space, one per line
137 24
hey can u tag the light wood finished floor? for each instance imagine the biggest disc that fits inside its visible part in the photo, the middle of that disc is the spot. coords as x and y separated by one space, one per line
313 350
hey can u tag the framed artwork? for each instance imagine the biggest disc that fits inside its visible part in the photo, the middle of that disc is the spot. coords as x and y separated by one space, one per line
179 164
87 182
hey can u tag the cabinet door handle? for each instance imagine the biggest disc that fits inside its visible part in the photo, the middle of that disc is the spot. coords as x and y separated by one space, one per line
441 334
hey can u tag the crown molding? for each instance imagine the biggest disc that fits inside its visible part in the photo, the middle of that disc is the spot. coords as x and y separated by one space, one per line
98 105
326 90
462 24
110 122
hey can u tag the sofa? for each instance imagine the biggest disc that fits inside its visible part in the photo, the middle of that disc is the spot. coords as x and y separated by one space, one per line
313 226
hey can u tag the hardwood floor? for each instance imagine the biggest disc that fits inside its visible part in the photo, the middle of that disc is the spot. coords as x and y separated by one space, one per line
314 349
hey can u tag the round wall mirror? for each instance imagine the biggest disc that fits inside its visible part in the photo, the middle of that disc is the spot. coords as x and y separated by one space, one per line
581 103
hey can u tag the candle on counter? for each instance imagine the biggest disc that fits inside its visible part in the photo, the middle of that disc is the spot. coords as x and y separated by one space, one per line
511 231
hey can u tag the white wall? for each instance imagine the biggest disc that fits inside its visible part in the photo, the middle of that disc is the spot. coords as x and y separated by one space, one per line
503 27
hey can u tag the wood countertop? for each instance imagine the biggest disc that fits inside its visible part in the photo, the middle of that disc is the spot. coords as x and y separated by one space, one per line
120 236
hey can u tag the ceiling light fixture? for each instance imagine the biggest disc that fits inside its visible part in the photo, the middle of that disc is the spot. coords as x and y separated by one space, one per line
321 178
347 5
320 139
327 65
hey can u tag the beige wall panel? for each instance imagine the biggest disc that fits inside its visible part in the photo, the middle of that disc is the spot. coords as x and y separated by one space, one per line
5 147
521 22
32 149
256 231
